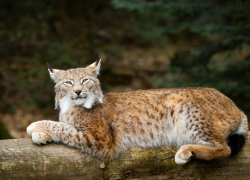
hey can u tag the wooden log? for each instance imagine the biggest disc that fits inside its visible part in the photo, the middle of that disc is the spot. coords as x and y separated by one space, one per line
22 159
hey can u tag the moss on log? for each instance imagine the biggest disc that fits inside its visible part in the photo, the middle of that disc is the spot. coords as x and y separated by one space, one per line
21 159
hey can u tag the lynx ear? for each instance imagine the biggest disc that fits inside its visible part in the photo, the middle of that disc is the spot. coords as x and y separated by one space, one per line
95 67
55 73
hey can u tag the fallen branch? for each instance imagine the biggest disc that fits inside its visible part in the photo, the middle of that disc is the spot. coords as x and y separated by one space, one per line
22 159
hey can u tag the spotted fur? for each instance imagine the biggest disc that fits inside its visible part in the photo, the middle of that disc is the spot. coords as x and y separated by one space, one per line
200 120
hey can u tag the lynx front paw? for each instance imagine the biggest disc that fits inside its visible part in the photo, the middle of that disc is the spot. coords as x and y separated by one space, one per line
183 155
41 138
34 127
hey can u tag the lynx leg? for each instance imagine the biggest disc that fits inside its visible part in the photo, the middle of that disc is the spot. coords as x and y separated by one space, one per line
206 152
98 143
43 131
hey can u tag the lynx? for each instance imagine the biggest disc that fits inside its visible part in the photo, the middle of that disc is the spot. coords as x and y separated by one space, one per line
201 121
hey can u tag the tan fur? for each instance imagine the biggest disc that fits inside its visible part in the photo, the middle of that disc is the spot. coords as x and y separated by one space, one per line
198 119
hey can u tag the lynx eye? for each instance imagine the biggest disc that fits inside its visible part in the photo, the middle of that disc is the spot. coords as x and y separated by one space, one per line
68 82
85 80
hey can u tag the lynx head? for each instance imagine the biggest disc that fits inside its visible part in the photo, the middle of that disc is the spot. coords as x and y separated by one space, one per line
78 86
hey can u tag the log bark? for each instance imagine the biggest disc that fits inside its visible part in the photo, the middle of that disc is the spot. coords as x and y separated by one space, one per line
22 159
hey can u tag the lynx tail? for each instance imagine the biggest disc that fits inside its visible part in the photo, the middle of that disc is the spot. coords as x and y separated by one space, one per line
236 140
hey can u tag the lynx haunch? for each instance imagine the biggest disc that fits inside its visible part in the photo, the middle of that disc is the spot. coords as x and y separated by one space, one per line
201 121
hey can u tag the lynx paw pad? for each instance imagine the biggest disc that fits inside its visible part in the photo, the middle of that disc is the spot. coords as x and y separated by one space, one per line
41 138
183 155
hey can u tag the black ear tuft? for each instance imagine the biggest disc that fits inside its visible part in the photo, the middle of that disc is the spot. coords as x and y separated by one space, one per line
51 70
97 62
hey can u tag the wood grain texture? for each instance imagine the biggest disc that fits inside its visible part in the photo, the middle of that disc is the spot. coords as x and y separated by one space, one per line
21 159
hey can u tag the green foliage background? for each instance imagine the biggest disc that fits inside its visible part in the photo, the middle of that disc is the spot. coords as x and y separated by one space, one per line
218 36
209 40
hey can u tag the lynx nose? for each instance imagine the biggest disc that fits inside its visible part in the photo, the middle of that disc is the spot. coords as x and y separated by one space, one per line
78 92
